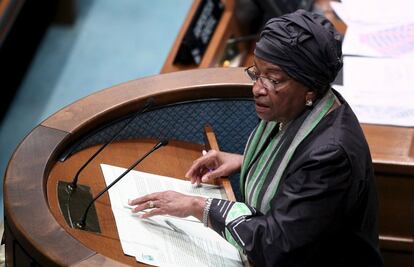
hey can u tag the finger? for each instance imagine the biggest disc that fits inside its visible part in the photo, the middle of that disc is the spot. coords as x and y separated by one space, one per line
213 174
153 212
197 165
206 177
139 208
195 179
144 206
143 199
193 171
136 201
202 172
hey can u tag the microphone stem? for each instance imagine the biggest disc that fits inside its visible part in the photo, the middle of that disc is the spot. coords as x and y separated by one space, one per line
74 182
81 224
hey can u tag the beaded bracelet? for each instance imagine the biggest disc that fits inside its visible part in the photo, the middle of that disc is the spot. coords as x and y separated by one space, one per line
206 211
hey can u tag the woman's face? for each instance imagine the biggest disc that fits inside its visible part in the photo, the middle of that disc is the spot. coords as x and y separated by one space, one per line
284 103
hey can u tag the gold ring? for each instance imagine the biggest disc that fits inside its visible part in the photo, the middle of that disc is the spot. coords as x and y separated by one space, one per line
151 204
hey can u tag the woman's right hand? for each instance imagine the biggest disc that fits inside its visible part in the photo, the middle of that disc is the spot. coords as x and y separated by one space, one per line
212 165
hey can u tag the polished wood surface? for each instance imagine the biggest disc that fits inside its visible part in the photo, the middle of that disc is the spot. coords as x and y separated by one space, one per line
391 147
172 160
393 158
26 209
212 143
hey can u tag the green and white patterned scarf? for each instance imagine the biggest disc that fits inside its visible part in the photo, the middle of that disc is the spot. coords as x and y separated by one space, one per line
269 150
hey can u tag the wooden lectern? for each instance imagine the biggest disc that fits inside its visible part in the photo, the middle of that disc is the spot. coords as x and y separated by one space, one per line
36 232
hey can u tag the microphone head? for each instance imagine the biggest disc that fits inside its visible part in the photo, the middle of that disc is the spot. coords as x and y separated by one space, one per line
164 142
161 143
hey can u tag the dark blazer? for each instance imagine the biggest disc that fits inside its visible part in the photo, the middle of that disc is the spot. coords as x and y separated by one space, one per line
325 210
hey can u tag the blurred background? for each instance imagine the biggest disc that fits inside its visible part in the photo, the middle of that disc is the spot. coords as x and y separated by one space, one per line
56 52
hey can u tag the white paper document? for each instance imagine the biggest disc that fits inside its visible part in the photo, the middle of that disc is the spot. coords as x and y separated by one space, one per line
379 90
166 240
396 40
387 30
374 11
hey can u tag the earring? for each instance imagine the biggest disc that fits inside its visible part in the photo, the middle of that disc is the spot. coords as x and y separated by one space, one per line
309 102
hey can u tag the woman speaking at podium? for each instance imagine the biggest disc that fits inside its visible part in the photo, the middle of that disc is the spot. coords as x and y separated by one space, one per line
309 197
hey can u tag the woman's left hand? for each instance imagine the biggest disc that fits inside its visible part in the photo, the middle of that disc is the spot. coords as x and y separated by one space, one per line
169 203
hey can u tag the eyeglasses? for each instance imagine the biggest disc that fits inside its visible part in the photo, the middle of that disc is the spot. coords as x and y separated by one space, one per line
269 84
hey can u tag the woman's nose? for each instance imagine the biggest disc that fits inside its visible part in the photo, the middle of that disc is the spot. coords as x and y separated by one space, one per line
258 89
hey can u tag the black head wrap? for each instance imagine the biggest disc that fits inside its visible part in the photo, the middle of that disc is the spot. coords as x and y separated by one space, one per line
305 45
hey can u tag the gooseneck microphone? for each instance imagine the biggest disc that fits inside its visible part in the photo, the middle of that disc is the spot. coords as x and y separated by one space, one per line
82 222
148 104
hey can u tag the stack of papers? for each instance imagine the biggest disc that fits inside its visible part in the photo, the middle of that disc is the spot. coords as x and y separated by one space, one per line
379 59
377 28
166 240
379 93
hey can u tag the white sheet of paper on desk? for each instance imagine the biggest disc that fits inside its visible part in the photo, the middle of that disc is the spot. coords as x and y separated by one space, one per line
373 112
382 115
154 241
395 40
380 91
378 12
194 245
377 28
137 183
381 77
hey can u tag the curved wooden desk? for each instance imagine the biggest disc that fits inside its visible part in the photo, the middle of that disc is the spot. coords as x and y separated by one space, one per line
35 230
171 160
